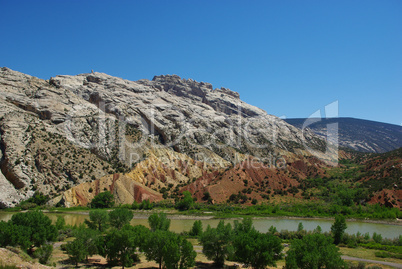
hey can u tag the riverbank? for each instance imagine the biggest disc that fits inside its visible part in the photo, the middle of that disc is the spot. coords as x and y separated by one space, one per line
172 214
175 214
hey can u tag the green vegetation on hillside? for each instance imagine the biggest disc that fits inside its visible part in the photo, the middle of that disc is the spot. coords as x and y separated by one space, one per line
343 190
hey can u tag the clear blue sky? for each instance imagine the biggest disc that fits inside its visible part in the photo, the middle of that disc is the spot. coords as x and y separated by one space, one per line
290 58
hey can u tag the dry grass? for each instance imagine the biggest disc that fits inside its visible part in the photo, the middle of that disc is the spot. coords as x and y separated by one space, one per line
16 257
364 253
370 265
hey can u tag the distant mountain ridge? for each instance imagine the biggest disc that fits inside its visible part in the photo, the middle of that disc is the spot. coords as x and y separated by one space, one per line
358 134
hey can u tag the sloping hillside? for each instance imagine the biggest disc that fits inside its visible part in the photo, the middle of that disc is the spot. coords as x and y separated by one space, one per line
357 134
69 130
382 175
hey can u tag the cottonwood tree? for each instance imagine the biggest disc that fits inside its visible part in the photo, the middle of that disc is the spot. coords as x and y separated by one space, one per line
314 251
90 238
120 217
120 246
245 226
216 243
169 250
159 222
84 245
254 248
35 228
338 228
76 251
98 220
257 249
187 254
103 200
196 230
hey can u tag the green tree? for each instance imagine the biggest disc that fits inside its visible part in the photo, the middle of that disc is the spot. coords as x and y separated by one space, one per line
338 228
37 227
318 230
169 250
254 248
186 202
120 245
257 249
216 243
272 230
146 205
38 198
245 226
345 196
103 200
300 227
159 222
196 230
60 223
84 245
377 238
98 220
187 254
76 251
13 235
90 238
120 217
314 251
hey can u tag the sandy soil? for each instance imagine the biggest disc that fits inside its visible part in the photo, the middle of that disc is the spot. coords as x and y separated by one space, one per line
7 257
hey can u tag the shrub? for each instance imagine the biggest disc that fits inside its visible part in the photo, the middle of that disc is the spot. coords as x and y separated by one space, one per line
377 238
313 251
383 254
196 230
103 200
186 203
2 266
146 205
43 253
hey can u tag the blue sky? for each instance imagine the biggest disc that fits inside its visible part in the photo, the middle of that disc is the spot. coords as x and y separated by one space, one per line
289 58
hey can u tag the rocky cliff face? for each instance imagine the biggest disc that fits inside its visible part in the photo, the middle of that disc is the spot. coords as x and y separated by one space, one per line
357 134
59 133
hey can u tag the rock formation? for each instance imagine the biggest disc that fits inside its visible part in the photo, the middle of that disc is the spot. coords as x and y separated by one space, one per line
69 130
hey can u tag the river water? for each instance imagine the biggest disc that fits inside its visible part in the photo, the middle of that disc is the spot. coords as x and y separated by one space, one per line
180 224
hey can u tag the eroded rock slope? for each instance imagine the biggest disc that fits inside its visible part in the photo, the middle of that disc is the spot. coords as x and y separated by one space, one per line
69 130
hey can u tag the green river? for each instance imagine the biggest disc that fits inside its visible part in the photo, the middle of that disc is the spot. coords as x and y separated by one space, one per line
184 223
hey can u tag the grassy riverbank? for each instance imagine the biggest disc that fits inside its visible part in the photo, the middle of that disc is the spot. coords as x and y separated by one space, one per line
310 209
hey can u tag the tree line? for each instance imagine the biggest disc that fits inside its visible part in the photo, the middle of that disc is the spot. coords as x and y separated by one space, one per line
110 235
